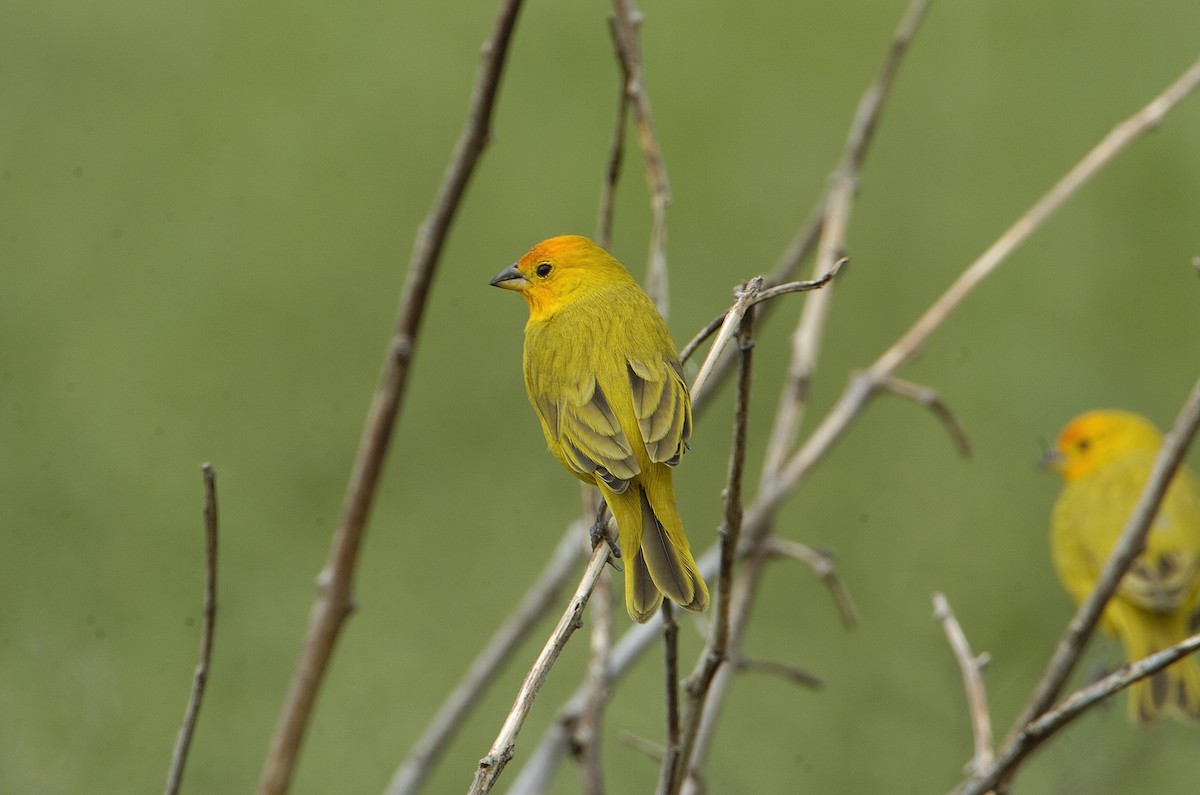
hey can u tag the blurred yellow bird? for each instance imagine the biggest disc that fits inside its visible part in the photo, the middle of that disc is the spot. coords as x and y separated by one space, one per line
605 380
1105 458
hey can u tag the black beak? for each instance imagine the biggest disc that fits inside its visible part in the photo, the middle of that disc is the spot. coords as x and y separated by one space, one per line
510 279
1052 459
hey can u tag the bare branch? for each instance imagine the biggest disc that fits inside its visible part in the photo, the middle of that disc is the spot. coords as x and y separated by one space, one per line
793 673
971 667
822 565
858 141
651 749
717 650
333 602
533 606
1103 153
930 399
762 295
838 202
589 729
492 765
743 300
616 154
1038 731
745 590
626 21
671 753
183 741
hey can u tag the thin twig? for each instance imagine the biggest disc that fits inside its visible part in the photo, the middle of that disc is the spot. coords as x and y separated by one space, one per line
793 673
638 743
838 202
742 598
970 665
671 752
930 399
822 565
1038 731
626 21
333 602
533 606
1083 623
743 300
616 154
492 765
717 650
183 741
762 295
589 729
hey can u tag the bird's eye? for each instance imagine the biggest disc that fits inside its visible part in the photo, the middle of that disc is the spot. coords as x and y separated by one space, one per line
543 269
1083 444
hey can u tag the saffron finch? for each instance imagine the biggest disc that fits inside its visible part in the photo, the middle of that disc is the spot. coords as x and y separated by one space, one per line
1105 458
605 380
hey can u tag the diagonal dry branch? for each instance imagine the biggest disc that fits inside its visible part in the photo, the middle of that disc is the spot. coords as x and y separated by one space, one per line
835 203
1074 705
972 670
626 20
533 606
333 602
492 765
716 651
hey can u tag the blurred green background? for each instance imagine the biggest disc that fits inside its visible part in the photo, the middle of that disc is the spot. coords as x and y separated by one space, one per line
206 211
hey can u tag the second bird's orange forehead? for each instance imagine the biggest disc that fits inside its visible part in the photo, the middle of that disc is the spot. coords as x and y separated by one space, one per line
556 248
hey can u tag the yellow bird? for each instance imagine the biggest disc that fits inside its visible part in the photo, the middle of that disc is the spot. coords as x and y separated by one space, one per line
1105 458
605 380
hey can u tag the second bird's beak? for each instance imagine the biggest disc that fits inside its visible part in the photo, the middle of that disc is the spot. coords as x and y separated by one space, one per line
1052 460
510 279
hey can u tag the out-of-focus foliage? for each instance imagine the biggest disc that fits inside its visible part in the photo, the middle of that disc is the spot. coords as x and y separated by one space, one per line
205 214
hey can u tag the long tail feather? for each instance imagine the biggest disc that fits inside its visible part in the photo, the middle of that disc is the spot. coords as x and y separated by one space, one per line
657 559
1175 690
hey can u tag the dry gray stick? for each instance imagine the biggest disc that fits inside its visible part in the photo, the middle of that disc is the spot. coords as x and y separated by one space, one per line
764 294
793 673
616 154
930 399
589 729
183 742
333 602
972 673
1041 729
822 565
534 605
716 651
629 49
838 202
492 765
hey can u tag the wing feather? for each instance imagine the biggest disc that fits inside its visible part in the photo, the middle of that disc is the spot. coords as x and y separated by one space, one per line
663 408
591 438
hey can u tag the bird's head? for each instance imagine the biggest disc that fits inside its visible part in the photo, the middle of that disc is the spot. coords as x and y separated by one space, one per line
1094 439
559 270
